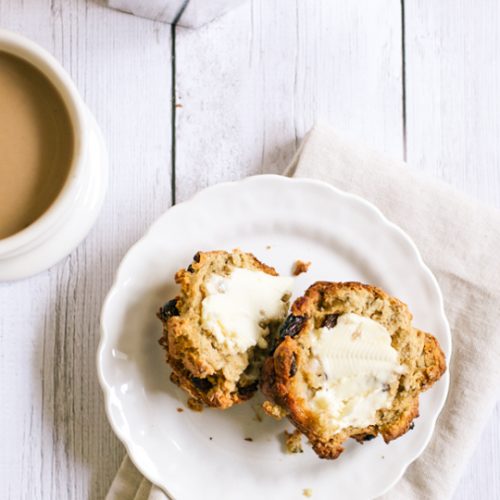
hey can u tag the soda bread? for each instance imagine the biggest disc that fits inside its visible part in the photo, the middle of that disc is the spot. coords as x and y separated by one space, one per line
216 331
349 364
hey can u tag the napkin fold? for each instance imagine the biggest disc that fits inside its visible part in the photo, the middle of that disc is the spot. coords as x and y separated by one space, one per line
460 241
187 13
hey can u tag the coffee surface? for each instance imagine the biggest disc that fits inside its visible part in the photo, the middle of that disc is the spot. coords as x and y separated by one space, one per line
36 144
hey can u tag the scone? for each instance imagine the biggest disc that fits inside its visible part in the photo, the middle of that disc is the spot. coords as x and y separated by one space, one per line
349 363
216 331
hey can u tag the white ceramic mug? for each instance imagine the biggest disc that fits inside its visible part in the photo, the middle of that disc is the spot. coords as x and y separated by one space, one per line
71 215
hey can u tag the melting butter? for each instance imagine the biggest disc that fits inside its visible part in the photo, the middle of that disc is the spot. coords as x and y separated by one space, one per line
359 364
237 307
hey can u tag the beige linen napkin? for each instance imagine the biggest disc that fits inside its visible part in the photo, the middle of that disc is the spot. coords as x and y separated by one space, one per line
460 241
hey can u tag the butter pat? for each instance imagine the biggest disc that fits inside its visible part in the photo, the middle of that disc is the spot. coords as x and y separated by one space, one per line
359 364
236 307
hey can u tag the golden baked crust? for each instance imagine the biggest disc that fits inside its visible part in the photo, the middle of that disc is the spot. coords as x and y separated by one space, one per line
285 376
206 370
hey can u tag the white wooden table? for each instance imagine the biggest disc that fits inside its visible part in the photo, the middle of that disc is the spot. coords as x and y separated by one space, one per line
419 79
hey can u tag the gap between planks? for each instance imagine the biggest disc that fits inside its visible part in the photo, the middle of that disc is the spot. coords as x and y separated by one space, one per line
403 76
174 98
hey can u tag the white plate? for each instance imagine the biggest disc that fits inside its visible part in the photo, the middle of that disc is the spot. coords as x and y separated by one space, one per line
205 455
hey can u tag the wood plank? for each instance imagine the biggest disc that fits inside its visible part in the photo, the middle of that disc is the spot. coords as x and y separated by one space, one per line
453 128
56 442
452 82
250 84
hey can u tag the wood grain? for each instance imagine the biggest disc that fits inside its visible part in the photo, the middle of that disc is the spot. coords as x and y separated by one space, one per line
452 83
56 442
250 84
453 132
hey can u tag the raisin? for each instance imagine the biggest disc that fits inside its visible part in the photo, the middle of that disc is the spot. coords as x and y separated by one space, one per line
168 310
330 320
248 389
196 257
291 326
190 269
368 437
293 366
412 426
202 384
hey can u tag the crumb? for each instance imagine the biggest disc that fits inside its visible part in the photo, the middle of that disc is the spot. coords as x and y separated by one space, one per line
293 442
273 410
268 247
300 267
249 439
258 416
180 410
383 456
307 492
210 438
194 404
178 105
356 335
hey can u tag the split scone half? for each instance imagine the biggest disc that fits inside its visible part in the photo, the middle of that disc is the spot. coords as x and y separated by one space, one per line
216 332
348 363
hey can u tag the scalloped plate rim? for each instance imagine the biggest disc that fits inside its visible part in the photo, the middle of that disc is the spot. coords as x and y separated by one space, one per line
196 198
